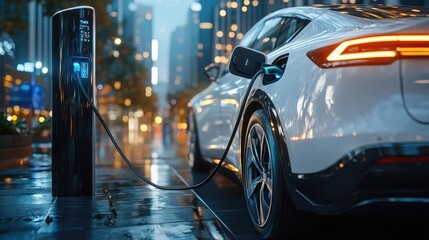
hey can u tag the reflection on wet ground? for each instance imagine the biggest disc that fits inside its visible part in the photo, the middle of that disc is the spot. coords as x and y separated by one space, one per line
123 206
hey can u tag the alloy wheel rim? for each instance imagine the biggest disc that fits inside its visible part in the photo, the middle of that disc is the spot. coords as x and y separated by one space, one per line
258 173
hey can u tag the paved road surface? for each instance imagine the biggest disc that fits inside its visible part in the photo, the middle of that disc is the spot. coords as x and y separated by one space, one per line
126 208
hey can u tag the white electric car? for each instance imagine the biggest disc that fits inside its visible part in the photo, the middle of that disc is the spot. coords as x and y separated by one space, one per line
346 125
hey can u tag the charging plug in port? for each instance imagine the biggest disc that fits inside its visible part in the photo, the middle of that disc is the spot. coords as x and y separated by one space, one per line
273 72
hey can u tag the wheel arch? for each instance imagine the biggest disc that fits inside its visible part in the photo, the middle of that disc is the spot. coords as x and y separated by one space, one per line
190 110
258 99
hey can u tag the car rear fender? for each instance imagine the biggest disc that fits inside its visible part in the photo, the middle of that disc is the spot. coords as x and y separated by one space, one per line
258 99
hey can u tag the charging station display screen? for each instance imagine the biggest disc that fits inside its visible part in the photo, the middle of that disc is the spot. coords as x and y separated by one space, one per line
82 67
85 31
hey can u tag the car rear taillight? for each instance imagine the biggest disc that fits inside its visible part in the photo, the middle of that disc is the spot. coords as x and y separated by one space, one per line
403 159
371 50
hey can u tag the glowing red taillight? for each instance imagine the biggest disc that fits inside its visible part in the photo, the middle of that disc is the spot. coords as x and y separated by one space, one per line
402 159
371 50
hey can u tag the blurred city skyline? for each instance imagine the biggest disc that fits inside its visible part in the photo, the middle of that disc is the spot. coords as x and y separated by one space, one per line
168 15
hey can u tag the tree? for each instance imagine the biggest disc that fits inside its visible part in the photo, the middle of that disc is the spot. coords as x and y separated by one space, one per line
12 19
123 66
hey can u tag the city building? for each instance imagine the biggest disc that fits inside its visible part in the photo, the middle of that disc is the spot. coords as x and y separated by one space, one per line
178 59
25 86
143 29
185 49
206 37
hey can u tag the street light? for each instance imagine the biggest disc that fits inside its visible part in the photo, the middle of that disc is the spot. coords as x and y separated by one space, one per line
38 65
196 7
118 41
127 102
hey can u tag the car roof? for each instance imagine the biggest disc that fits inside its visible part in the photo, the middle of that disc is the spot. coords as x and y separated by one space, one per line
365 11
378 11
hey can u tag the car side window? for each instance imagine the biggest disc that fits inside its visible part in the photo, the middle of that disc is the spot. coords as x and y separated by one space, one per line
290 28
266 39
246 41
250 35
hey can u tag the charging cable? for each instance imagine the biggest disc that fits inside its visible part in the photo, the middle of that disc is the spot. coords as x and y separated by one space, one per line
131 166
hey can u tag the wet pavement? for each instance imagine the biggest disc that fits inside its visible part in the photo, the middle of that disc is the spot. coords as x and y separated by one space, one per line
124 207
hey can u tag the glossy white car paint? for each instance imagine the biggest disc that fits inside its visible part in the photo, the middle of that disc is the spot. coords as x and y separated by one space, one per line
326 113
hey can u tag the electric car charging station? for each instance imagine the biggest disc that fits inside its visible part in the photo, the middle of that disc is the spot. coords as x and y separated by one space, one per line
73 39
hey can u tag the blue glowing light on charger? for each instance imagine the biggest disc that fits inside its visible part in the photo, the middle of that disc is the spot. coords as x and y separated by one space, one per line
81 66
76 67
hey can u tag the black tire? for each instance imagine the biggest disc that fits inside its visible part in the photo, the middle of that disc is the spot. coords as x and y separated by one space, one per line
195 159
268 203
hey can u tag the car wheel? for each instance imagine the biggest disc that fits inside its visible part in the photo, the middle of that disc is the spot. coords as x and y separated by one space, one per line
195 158
267 201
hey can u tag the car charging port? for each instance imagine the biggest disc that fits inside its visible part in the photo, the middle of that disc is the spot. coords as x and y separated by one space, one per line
274 71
